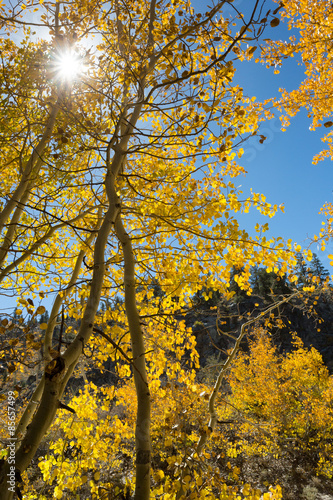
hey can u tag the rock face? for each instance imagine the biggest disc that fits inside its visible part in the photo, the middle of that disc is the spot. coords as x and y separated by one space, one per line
311 317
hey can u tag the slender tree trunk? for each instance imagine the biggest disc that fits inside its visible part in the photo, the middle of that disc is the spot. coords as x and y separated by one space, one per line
59 370
29 411
142 431
35 398
31 169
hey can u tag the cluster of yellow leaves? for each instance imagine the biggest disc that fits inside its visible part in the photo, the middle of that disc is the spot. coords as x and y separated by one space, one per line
90 442
313 22
326 232
284 401
90 446
101 432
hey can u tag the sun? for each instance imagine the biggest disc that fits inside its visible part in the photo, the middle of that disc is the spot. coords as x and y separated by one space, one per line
69 66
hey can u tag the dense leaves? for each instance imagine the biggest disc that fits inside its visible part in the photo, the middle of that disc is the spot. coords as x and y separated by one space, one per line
115 177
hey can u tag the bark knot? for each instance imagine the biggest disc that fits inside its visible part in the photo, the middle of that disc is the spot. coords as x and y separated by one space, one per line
54 368
143 457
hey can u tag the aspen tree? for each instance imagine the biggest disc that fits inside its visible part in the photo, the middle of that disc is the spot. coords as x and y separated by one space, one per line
121 175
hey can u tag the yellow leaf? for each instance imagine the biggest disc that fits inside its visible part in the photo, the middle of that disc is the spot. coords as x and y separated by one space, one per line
57 492
168 441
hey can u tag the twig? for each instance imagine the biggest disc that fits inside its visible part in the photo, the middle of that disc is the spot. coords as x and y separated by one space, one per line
116 346
225 366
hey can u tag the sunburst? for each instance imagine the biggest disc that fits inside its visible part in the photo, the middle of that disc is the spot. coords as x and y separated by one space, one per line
69 66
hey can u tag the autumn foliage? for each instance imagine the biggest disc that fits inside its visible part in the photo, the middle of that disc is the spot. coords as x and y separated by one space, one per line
118 204
271 405
285 401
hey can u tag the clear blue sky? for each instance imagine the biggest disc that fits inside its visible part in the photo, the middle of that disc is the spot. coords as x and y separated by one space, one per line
282 168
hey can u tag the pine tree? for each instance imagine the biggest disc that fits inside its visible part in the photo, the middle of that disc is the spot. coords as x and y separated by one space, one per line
267 284
317 269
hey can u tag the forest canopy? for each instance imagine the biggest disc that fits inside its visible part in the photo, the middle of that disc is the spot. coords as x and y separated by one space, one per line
122 134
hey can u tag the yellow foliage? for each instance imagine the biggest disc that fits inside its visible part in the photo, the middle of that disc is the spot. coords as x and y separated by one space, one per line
284 399
118 185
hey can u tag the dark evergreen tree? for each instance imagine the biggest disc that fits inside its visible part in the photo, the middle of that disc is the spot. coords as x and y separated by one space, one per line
158 292
317 269
302 270
306 270
44 318
267 284
199 297
234 287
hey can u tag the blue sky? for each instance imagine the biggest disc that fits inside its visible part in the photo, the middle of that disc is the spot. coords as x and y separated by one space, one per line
281 168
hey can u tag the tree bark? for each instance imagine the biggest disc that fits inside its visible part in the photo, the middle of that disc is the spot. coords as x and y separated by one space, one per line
58 371
142 430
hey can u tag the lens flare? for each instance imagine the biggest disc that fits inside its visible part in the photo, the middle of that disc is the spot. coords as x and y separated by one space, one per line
69 66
